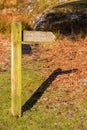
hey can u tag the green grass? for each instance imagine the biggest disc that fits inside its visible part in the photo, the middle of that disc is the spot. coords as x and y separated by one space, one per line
46 113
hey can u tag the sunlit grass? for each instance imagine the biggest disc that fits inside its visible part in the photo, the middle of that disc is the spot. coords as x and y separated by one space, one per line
47 113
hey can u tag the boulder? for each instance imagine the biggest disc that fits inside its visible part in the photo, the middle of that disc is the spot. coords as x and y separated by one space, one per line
64 22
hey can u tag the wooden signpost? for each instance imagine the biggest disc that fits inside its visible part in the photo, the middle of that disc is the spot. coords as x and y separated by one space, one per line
16 39
16 53
38 36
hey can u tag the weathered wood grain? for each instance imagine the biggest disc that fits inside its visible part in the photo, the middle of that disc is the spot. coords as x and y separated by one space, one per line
16 38
38 36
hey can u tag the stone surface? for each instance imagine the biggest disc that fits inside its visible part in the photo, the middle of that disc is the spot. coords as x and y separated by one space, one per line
63 20
65 23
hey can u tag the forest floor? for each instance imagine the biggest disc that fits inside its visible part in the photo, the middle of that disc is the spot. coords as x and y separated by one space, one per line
54 83
63 54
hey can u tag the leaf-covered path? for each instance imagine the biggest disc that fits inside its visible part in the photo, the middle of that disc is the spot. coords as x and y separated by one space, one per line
66 55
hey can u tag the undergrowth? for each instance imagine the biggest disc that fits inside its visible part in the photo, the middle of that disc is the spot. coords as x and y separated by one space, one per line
5 23
28 18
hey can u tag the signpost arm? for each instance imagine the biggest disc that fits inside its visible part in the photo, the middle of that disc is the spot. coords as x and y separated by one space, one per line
16 40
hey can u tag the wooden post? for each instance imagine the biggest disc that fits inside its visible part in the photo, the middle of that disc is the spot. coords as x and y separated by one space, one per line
16 40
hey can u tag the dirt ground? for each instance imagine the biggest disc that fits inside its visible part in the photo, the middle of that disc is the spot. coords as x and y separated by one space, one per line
5 46
66 57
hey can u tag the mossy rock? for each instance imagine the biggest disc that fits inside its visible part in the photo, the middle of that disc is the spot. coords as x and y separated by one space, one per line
66 18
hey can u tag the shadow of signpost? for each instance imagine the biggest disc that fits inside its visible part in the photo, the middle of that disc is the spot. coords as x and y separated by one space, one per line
39 92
